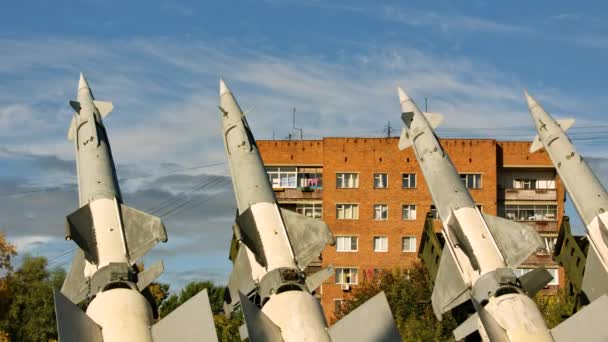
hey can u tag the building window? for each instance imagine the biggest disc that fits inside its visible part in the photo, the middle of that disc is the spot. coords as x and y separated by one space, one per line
471 180
434 212
347 211
549 242
347 243
408 211
338 305
310 177
408 244
380 243
540 184
347 180
408 180
282 176
537 212
312 210
346 275
380 212
380 180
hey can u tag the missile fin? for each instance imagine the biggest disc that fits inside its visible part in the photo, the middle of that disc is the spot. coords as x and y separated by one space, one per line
536 144
240 280
434 119
142 231
595 279
589 324
75 284
372 321
72 129
104 107
79 227
146 277
307 236
259 327
73 325
250 235
516 241
404 140
190 322
535 280
490 325
565 124
450 289
75 105
316 279
467 327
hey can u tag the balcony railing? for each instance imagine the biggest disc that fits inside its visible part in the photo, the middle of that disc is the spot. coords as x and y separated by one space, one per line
543 226
298 193
511 194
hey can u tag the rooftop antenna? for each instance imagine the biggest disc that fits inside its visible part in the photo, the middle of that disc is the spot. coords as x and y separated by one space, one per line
294 124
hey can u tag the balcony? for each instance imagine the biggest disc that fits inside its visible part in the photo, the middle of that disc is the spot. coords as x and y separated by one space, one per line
511 194
543 226
310 193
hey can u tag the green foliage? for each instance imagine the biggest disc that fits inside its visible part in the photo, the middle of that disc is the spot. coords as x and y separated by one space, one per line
228 328
408 294
29 311
555 307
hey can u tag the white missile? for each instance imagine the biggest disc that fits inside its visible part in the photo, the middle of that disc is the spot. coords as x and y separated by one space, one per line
274 248
112 237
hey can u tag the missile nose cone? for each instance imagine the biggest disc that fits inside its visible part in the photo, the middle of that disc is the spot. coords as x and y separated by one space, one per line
223 87
402 95
530 100
82 83
407 105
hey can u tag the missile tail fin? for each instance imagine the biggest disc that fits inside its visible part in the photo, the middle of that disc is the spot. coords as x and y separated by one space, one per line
240 280
516 241
246 230
591 317
450 289
535 280
142 231
307 236
536 144
490 325
316 279
190 322
79 227
404 140
434 119
75 284
467 327
149 274
104 107
565 124
73 325
595 279
372 321
259 326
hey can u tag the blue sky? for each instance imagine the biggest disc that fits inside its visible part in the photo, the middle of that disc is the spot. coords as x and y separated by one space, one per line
337 62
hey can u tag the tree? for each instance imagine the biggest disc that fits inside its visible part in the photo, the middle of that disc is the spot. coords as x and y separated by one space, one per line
555 307
30 314
7 252
408 293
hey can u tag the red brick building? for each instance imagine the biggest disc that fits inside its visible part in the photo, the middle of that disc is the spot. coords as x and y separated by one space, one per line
374 198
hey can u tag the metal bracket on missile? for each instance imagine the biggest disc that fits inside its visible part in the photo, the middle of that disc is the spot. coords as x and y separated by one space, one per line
113 273
315 280
281 280
490 283
307 236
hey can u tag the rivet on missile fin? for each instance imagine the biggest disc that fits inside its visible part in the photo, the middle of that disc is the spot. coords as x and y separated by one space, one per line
570 155
559 164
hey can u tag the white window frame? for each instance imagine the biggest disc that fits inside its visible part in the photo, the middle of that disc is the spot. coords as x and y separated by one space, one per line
345 246
340 275
282 178
434 209
475 183
379 212
411 209
413 244
380 180
354 211
347 180
411 179
312 210
531 212
382 246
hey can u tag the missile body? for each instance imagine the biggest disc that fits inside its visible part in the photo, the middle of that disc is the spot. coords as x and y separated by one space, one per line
275 246
481 250
111 237
584 188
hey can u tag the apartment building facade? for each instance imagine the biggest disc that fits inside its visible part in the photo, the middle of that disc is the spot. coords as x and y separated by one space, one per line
374 198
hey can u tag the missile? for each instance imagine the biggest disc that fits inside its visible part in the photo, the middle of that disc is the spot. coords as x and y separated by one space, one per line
481 250
111 238
584 188
274 246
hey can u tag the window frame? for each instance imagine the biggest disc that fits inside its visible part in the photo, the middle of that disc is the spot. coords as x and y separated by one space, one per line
345 181
408 174
410 206
385 174
380 205
355 237
466 180
352 205
415 242
350 269
380 238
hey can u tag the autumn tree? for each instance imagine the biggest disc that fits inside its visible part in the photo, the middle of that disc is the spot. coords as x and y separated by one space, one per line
408 293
